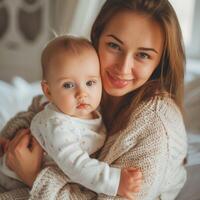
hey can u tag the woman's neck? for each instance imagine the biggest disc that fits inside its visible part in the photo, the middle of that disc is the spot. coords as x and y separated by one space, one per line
113 103
110 108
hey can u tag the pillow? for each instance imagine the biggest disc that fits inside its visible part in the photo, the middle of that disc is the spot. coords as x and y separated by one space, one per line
16 97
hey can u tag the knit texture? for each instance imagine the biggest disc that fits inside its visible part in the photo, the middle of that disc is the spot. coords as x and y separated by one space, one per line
154 141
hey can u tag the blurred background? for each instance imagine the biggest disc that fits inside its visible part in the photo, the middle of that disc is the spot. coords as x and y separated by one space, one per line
27 25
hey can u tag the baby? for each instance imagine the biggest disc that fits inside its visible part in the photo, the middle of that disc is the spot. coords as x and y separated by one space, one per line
70 127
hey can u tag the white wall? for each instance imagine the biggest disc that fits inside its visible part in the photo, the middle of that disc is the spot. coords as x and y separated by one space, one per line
18 55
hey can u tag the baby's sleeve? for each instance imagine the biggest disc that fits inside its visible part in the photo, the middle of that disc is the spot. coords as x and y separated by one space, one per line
64 148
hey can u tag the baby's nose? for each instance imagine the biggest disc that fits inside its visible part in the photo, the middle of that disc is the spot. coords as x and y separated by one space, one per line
81 94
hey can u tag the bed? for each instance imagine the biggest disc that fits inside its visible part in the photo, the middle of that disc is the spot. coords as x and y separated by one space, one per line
191 190
17 96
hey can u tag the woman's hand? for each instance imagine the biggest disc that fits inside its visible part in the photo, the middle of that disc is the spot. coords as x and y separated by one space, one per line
24 156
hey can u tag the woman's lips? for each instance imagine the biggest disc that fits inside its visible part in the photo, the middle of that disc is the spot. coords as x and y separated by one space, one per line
117 82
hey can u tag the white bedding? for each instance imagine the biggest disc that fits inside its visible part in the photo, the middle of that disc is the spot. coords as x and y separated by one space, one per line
191 190
17 96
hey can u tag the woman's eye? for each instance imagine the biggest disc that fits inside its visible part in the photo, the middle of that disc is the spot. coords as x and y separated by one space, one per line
143 55
68 85
90 83
114 46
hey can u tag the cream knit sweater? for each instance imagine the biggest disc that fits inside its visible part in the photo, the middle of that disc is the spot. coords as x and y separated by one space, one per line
154 141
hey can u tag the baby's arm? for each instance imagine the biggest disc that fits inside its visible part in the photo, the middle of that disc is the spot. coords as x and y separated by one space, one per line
66 151
95 175
82 169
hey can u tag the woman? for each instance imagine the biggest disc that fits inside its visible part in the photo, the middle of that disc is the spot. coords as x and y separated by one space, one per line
139 44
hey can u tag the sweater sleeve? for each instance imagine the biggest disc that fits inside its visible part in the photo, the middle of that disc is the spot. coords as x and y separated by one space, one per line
152 162
21 120
149 154
52 183
63 145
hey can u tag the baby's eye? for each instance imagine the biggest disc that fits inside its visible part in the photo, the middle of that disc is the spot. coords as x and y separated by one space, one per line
114 46
90 83
143 55
69 85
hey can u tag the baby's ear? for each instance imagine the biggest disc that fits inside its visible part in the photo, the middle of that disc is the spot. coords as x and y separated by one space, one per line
46 89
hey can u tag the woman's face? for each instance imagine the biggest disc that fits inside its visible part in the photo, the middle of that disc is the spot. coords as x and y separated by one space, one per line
130 49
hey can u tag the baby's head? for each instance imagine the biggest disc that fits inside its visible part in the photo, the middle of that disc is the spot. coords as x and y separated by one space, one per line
71 76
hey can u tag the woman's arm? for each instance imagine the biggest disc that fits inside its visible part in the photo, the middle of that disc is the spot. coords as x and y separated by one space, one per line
59 140
20 121
49 183
24 154
149 153
150 160
20 193
144 160
156 143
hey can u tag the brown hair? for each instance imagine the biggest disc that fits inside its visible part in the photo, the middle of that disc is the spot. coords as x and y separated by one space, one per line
169 75
62 43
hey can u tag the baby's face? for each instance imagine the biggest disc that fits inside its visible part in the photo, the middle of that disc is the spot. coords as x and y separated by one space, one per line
74 83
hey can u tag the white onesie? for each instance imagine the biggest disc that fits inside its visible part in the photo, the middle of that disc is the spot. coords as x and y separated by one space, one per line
69 141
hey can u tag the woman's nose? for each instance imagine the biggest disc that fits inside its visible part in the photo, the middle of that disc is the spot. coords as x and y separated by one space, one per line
126 64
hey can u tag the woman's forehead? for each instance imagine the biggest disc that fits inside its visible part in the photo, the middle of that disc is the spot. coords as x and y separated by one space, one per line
134 28
130 20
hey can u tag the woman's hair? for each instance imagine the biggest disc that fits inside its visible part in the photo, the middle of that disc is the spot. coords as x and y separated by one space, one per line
59 44
168 78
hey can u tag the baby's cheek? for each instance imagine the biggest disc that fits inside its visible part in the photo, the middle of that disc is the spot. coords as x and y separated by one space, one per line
68 105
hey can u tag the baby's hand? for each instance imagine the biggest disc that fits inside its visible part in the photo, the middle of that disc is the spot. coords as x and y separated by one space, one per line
130 182
3 145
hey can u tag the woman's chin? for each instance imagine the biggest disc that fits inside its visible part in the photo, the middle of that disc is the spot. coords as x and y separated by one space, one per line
115 92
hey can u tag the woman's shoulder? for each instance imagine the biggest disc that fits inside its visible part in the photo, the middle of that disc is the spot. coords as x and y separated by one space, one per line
158 105
158 113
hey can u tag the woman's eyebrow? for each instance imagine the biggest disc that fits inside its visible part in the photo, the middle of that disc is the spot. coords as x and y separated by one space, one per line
111 35
141 48
148 49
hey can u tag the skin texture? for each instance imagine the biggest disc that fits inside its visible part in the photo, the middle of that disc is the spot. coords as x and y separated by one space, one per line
129 57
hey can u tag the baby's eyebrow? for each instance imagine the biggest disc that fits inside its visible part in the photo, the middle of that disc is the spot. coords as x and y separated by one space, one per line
64 78
94 76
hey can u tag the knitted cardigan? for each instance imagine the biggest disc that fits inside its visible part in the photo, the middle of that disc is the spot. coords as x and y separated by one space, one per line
154 141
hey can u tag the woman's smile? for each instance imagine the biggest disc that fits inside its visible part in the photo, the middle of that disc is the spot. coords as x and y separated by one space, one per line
117 81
